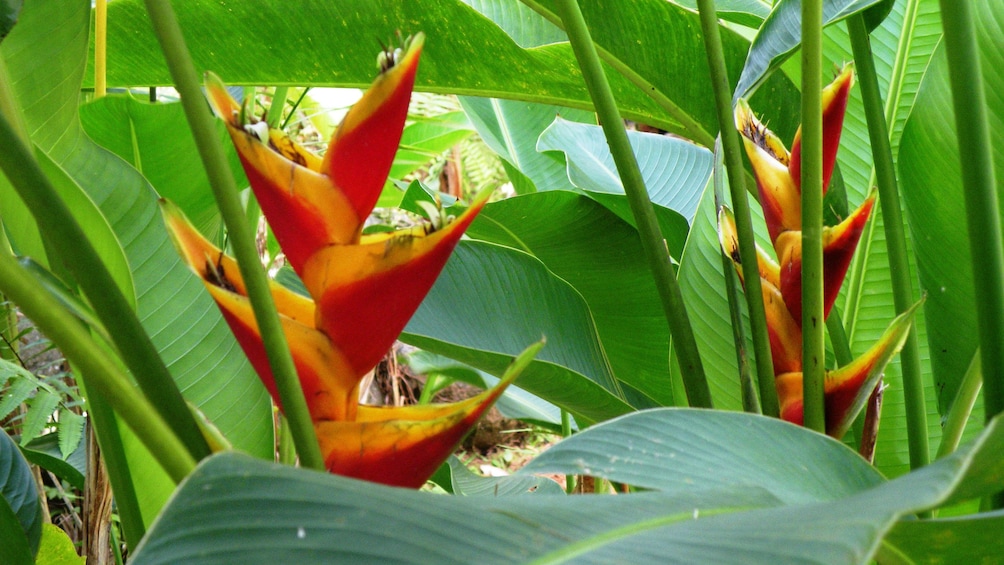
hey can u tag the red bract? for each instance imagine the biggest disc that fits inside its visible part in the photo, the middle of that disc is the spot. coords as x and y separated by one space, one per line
364 287
778 179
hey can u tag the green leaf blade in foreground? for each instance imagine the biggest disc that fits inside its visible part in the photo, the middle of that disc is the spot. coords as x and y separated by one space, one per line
675 450
490 301
20 498
214 515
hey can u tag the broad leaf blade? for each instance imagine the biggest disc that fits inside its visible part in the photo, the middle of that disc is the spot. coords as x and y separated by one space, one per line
675 171
490 301
45 58
20 499
213 518
676 449
600 256
929 169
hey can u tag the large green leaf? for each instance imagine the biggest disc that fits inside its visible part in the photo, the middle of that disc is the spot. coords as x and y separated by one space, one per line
511 128
20 509
675 171
491 301
710 514
333 44
795 466
600 256
155 139
929 169
781 34
45 58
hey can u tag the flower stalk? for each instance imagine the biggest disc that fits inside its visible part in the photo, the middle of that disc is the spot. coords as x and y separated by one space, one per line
182 70
813 335
653 244
895 237
740 203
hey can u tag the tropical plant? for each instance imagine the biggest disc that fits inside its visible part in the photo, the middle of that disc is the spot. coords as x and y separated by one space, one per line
612 250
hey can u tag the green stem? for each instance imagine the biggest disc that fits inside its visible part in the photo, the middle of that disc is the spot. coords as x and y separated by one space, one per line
961 408
566 431
74 251
838 337
179 62
895 236
653 244
99 372
278 103
982 211
740 203
813 338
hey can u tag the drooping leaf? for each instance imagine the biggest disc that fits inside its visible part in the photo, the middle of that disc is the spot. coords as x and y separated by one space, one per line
721 519
20 509
511 128
493 66
44 451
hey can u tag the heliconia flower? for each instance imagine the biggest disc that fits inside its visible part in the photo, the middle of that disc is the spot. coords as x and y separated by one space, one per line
401 446
847 389
312 202
784 332
778 172
778 176
364 288
839 243
778 179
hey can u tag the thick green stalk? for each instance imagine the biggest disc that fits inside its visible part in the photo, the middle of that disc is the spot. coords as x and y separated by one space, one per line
653 244
278 103
740 205
979 185
813 337
179 62
100 372
895 236
980 192
566 431
63 234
